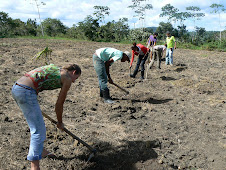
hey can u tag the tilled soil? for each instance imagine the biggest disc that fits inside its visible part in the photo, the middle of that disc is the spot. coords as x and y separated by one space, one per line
175 119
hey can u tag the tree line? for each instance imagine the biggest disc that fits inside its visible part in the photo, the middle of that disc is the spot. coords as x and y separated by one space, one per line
94 27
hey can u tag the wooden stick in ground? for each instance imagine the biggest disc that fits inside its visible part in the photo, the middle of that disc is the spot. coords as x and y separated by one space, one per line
120 88
71 134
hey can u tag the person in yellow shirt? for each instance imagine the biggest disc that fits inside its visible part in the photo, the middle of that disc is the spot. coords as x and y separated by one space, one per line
171 45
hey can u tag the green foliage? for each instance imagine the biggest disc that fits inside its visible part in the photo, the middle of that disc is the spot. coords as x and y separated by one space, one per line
31 27
53 27
217 8
183 34
138 34
199 37
170 11
163 28
92 29
100 12
6 25
135 34
46 54
114 31
87 29
140 8
15 27
194 14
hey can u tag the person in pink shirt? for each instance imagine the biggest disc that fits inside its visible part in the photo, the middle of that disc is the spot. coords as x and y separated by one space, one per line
142 52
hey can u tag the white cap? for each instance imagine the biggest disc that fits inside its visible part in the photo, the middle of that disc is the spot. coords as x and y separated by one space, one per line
128 54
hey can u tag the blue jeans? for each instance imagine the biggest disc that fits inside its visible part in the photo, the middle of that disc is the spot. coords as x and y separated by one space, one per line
141 61
169 56
27 101
99 66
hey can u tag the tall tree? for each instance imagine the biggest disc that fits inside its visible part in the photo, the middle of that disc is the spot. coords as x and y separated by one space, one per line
183 33
100 12
181 17
88 29
38 4
120 29
195 15
11 27
19 27
169 11
140 9
163 27
218 8
53 27
6 24
31 27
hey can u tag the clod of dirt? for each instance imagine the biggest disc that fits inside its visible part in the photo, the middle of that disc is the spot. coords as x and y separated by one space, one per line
153 144
131 110
7 119
167 78
93 109
116 107
180 69
55 148
132 117
115 116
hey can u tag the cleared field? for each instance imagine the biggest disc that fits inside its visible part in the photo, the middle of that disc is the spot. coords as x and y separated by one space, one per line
173 120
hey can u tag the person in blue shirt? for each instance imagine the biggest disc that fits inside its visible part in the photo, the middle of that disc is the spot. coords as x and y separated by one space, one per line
103 58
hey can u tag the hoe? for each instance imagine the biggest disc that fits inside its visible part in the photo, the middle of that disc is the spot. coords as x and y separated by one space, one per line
92 150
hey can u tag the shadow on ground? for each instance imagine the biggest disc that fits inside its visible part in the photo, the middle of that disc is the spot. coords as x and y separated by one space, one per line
152 100
124 156
181 67
167 78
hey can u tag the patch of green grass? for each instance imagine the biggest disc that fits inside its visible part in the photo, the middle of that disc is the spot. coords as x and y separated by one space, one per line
216 46
5 45
204 55
50 38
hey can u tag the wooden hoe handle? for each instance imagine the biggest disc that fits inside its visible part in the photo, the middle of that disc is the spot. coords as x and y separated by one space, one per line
71 134
120 88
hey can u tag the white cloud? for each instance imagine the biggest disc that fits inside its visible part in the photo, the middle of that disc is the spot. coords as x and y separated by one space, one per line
73 11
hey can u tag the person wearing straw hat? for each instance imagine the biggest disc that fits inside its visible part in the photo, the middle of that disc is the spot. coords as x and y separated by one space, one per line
103 58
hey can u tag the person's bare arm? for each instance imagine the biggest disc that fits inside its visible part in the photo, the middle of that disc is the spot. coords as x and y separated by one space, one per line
163 53
61 99
147 41
175 45
131 61
107 66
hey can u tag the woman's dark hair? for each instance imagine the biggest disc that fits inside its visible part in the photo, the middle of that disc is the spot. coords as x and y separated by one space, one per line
72 67
134 45
156 33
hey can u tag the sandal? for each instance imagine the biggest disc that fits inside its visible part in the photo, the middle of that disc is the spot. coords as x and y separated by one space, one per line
46 154
49 155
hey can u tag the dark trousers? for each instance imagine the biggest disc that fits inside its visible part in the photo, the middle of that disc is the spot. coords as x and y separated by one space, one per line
141 61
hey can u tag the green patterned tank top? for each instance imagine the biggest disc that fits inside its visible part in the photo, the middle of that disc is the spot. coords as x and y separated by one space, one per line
46 77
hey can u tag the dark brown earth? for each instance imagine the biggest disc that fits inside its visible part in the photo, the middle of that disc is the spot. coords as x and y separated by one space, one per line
173 120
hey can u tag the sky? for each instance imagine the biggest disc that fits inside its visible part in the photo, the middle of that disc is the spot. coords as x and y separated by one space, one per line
73 11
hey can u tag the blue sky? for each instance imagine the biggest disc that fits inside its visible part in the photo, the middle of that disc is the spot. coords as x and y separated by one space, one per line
73 11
